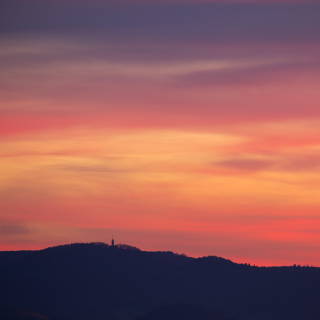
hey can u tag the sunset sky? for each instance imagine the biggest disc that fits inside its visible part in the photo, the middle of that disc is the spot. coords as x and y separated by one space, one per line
173 125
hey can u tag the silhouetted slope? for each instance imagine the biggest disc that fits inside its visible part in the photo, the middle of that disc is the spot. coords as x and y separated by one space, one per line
96 281
184 312
15 314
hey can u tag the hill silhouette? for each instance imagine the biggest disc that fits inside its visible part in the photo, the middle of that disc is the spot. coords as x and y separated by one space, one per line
16 314
98 282
182 311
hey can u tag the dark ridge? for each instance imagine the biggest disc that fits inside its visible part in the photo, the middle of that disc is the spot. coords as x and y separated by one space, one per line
183 312
16 314
98 281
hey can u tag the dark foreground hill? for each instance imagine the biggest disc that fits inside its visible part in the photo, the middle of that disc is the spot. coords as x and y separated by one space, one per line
99 282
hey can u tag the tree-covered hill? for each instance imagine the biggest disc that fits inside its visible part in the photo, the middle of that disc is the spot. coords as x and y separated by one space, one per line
97 281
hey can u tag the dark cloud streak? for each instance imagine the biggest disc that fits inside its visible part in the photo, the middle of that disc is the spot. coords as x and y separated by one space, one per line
182 22
13 229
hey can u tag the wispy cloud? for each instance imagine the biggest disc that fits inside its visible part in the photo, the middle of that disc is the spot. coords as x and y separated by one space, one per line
194 125
8 229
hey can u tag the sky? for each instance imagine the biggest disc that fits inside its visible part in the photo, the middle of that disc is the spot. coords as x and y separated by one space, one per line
180 125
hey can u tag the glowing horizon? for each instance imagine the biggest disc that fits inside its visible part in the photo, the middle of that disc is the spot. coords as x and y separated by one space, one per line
185 127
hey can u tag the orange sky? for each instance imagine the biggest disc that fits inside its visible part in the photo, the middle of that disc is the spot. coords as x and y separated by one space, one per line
200 147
